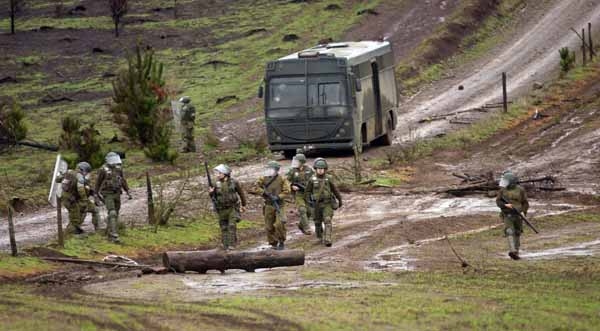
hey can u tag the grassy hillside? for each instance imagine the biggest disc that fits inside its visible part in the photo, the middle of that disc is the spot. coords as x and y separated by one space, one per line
213 49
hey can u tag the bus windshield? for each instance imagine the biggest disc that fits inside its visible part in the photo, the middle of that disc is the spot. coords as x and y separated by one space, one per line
292 92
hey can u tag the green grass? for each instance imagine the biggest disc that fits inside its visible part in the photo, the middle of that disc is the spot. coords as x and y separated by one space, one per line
499 300
20 266
143 240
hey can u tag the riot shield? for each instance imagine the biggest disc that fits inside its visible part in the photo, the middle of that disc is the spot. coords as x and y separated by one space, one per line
176 109
60 168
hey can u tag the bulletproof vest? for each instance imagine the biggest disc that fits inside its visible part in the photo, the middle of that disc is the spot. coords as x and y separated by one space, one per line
113 179
513 195
226 194
188 113
275 187
69 184
301 176
321 188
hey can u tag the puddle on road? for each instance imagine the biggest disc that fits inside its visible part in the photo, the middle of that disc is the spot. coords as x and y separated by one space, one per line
197 287
589 248
398 258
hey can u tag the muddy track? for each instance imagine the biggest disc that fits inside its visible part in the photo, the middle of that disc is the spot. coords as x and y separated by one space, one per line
528 55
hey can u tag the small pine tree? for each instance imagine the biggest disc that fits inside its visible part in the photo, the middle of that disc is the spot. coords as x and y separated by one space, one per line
140 105
12 127
567 60
85 142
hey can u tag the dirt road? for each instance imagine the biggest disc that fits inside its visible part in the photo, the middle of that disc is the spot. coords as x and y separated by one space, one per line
530 54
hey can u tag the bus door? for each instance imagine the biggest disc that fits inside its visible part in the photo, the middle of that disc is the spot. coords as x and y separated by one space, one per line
377 96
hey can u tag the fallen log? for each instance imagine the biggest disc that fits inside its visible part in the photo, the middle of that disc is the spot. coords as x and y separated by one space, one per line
202 261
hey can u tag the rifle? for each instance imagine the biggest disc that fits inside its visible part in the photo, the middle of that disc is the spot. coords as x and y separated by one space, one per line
213 198
276 204
275 200
520 214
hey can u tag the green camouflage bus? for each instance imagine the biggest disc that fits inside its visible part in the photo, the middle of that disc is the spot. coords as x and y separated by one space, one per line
326 96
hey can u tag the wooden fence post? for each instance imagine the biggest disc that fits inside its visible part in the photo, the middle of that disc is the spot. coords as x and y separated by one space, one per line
583 47
591 43
151 219
59 224
11 230
504 93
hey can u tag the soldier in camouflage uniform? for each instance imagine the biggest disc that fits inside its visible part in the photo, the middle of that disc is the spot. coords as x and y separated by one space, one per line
228 194
188 117
299 175
75 196
273 189
325 197
92 203
515 202
110 185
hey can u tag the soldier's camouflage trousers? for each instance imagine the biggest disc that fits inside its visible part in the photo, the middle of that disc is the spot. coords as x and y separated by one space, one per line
513 227
303 210
188 139
112 202
275 229
228 219
76 213
323 215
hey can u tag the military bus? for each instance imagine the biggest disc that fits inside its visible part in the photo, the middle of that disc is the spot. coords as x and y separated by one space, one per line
327 96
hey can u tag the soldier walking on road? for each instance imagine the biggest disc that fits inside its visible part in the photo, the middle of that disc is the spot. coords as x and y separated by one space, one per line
299 175
273 188
188 118
75 197
228 194
110 185
322 192
512 200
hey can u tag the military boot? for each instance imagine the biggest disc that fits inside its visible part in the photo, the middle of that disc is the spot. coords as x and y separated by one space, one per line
512 246
319 230
327 234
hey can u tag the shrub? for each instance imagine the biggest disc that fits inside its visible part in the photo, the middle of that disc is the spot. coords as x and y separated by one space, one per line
567 59
140 105
85 142
12 128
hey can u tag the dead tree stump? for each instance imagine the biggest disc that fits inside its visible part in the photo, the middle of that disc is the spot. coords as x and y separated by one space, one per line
202 261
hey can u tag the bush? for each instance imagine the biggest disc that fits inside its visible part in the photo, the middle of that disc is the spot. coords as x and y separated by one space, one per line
84 142
12 128
141 105
567 59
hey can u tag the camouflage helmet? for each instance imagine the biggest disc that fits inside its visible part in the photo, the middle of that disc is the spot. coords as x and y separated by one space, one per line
224 169
301 158
84 167
185 99
112 158
320 163
507 179
273 165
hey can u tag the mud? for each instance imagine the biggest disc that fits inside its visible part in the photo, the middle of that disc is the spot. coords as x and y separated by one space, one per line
193 287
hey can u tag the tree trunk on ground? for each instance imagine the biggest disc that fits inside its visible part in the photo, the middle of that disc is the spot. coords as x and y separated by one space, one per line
202 261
